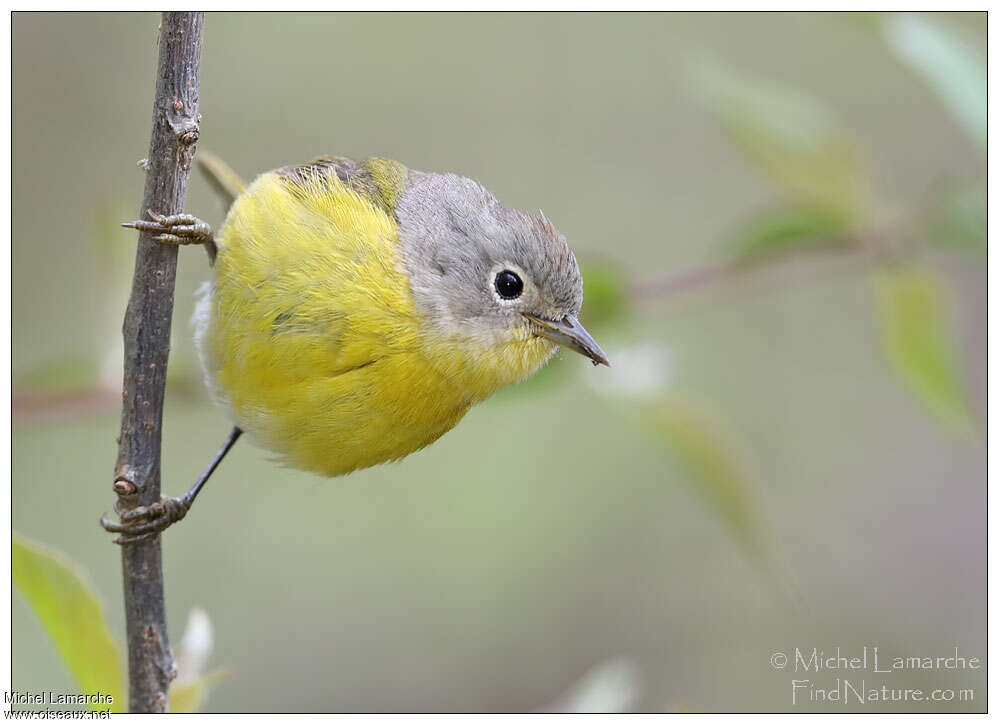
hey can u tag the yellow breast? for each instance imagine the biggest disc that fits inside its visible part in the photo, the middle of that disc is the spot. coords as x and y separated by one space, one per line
309 336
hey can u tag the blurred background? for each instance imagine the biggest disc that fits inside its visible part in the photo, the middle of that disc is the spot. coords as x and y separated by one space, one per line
781 220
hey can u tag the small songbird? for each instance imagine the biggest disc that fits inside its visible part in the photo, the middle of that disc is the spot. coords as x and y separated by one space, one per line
357 310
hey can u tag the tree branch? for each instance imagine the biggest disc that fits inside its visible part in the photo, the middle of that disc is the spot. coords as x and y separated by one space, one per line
147 346
674 283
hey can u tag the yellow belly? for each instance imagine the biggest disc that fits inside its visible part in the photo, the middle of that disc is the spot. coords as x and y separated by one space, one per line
309 336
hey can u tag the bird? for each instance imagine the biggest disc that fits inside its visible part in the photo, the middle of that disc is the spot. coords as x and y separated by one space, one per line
357 310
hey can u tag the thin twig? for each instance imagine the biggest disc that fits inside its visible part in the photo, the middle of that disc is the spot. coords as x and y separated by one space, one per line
147 345
695 278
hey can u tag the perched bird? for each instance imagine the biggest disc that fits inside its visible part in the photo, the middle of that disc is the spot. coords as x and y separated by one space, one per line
357 310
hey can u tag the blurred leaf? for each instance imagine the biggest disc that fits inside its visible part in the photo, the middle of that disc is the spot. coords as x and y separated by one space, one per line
189 696
188 692
959 218
605 295
608 688
948 63
787 229
706 450
791 135
912 303
195 646
73 617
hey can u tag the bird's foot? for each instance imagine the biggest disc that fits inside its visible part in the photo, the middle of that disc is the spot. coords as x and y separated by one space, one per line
145 522
178 229
175 229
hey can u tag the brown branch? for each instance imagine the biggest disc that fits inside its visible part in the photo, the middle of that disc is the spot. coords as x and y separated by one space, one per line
670 284
147 345
688 280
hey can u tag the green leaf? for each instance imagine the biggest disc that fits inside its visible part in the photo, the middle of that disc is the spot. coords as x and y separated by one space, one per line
790 135
948 63
189 696
73 617
787 229
959 218
912 303
704 448
605 295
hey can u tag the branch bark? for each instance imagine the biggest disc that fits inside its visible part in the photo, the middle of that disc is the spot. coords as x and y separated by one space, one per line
147 346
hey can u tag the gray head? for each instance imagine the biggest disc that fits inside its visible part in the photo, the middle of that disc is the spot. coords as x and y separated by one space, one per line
485 272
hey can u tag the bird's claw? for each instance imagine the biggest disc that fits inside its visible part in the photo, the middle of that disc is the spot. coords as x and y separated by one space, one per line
145 522
174 229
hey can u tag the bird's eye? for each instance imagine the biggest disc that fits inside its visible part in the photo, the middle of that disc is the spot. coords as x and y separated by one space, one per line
509 285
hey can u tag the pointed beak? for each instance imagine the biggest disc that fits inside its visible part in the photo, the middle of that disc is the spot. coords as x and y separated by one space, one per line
569 333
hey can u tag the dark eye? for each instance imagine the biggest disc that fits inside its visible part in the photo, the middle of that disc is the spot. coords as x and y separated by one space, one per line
509 285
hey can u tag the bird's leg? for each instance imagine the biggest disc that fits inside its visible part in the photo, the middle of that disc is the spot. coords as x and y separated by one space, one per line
145 522
178 229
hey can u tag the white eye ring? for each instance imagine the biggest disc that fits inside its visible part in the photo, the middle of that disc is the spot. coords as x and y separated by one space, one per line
508 283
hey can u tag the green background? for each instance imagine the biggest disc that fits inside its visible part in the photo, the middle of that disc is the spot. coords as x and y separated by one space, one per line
550 532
